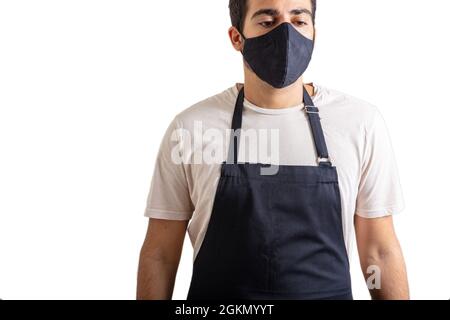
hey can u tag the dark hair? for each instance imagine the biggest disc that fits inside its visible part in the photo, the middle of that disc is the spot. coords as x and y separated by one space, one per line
238 10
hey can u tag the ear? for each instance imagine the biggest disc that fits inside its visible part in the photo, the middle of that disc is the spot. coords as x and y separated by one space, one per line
236 39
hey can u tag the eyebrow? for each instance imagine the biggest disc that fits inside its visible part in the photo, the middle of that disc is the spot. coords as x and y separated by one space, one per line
275 12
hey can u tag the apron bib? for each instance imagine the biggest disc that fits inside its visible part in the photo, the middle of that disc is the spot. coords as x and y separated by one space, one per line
274 236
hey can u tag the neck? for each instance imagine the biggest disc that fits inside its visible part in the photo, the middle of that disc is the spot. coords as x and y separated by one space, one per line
263 95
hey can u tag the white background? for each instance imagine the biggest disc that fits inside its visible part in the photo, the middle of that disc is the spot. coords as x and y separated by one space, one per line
88 87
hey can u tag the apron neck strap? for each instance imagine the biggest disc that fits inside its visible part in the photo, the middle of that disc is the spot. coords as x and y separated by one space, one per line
314 121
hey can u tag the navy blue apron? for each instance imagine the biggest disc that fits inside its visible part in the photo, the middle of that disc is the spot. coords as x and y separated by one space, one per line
274 236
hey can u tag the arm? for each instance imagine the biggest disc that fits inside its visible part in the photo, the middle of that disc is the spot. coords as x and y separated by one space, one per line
378 246
159 259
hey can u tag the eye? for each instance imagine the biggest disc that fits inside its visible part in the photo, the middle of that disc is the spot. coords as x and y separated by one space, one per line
301 23
266 24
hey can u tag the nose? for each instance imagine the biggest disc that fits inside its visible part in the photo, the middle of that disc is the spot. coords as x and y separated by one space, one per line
284 18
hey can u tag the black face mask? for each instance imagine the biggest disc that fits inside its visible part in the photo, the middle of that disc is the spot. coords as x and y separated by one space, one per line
279 57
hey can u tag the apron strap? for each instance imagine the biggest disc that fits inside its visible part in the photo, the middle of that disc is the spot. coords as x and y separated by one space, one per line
314 121
316 128
236 125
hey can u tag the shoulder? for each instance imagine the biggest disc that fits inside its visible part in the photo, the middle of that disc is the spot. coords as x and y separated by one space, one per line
214 111
344 106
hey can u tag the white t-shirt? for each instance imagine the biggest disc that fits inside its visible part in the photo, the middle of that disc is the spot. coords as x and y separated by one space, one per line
355 132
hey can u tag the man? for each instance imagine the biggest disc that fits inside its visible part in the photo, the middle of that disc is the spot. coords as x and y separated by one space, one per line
278 226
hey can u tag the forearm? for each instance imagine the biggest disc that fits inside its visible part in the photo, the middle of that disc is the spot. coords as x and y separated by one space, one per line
156 278
391 283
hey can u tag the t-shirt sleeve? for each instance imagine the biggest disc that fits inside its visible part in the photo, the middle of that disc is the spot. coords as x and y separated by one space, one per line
380 192
169 195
